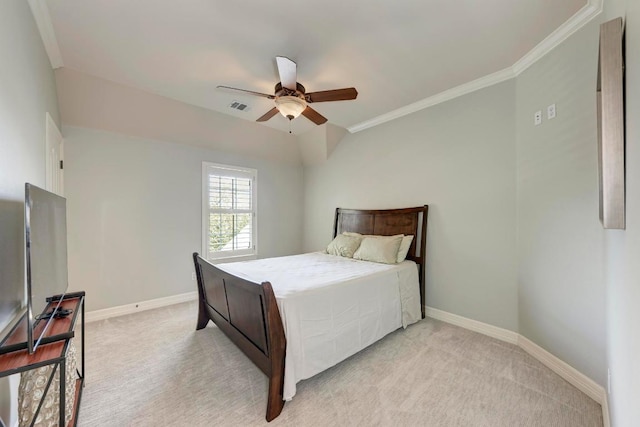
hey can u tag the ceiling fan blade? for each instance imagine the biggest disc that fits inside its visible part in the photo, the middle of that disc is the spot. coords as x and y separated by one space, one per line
314 116
332 95
268 115
264 95
287 71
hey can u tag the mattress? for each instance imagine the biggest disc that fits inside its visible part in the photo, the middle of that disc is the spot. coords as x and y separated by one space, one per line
332 307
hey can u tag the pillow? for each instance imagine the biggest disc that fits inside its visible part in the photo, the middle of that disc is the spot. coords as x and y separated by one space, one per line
350 233
344 245
404 248
382 249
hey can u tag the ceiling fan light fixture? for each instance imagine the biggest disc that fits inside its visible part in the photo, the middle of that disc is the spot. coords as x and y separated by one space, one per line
290 106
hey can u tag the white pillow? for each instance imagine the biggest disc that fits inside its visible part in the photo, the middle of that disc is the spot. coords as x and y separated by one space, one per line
382 249
404 248
344 245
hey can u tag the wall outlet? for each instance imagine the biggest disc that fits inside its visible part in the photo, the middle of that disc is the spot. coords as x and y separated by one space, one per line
537 117
193 276
551 111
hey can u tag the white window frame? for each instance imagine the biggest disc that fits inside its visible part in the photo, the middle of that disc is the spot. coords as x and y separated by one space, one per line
237 171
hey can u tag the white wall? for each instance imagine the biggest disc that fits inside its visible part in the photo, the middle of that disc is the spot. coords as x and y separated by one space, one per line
561 277
134 212
459 158
27 92
622 247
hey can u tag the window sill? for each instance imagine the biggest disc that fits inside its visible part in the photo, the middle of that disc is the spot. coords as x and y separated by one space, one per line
233 259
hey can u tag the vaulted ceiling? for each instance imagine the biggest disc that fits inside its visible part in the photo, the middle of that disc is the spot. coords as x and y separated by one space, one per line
396 53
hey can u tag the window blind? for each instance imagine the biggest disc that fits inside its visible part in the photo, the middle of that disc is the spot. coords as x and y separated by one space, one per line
230 212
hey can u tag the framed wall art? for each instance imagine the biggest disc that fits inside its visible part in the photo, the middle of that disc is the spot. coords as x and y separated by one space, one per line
611 147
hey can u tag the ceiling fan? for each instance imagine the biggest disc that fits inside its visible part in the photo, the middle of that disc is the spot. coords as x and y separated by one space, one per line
291 99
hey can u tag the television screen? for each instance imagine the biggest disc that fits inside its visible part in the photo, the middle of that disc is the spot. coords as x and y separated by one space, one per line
46 251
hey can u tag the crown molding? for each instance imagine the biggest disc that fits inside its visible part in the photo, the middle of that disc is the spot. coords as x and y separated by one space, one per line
42 17
452 93
573 24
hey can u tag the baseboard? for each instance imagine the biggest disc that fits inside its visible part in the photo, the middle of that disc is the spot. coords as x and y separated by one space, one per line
566 371
121 310
473 325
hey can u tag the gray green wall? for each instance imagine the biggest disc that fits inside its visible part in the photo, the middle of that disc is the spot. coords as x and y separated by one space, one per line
459 158
622 247
27 92
134 212
133 182
562 293
579 284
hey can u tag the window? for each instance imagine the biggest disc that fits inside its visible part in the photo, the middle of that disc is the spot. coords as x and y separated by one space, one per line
228 211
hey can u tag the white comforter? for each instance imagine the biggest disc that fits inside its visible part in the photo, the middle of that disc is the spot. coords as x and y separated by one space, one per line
332 307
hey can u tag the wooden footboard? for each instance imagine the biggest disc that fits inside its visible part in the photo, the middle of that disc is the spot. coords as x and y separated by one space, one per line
248 314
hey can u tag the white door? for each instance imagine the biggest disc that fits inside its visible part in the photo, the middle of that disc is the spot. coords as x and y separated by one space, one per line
54 158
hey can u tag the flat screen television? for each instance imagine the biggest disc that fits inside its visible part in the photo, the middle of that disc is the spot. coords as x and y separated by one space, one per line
46 257
22 323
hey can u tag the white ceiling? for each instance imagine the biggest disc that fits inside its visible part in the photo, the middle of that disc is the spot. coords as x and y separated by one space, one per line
394 52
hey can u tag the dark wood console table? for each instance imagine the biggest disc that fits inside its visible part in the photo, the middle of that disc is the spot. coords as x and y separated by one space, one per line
53 350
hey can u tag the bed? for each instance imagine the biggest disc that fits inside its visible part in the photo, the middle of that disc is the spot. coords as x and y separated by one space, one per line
322 308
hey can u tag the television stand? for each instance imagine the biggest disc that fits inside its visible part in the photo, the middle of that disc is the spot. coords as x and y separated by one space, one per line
52 350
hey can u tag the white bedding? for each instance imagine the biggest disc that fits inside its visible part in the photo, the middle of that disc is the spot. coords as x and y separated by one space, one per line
332 306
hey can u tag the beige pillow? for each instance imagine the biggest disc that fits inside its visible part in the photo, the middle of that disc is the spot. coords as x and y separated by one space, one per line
379 249
404 248
344 245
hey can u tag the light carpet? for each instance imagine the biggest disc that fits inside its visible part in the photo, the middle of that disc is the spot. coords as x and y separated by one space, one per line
153 368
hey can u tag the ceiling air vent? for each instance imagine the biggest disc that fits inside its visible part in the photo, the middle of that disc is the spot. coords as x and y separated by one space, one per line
239 106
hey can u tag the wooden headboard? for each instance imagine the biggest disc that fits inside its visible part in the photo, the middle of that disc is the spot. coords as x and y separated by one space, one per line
387 222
